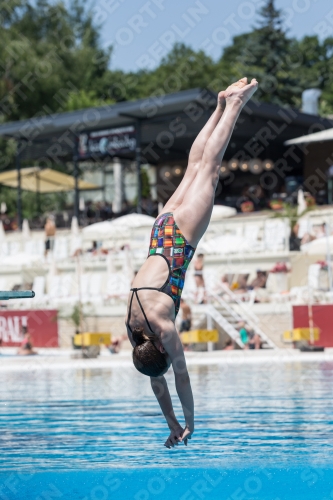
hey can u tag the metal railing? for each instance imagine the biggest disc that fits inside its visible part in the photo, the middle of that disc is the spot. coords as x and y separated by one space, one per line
246 315
224 324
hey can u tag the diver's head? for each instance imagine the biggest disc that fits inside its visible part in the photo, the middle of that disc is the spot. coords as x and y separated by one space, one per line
149 355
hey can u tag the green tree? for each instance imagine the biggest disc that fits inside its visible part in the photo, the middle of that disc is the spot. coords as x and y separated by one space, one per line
83 99
32 206
48 52
265 54
312 61
145 186
181 69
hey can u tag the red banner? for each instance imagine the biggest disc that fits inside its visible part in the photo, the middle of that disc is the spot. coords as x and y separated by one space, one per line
322 319
42 326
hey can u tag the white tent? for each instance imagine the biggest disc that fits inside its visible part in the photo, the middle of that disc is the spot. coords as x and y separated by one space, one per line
117 228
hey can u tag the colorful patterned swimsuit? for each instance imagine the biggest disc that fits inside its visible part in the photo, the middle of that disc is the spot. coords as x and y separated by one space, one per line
168 242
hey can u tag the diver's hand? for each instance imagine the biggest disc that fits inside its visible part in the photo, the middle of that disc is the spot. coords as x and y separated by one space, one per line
175 437
187 433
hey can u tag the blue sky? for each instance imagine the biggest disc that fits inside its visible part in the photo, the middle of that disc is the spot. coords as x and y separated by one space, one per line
142 31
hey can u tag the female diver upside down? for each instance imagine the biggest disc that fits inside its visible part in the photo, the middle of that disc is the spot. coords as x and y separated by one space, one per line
155 299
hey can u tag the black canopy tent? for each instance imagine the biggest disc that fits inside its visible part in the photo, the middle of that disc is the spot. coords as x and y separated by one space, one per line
155 130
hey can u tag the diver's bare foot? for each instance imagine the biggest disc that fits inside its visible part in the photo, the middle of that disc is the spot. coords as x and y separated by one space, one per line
240 92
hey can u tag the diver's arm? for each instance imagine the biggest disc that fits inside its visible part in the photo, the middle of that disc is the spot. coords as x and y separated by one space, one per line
173 346
161 391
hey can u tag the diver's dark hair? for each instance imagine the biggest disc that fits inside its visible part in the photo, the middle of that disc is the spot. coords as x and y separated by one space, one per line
147 358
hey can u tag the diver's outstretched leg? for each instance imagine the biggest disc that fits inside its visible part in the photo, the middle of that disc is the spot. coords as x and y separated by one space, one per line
193 215
197 151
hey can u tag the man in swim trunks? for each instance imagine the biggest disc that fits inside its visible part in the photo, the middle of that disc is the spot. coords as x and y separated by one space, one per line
155 298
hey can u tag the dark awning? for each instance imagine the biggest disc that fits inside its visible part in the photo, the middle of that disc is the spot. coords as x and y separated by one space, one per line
55 136
105 116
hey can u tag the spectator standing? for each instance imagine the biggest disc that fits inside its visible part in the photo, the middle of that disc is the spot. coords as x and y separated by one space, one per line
50 231
294 240
26 348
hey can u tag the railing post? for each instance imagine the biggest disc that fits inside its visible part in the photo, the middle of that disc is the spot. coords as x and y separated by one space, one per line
210 345
19 187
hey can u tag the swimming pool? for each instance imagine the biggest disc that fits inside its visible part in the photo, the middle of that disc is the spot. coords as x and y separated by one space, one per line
263 431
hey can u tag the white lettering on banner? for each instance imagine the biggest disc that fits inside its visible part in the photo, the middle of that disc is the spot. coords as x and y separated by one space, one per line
10 328
3 329
103 142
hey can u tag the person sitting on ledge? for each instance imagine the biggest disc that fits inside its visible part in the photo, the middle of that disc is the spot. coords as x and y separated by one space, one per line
26 348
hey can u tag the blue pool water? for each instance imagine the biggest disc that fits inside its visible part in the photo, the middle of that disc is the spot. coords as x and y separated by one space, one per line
263 431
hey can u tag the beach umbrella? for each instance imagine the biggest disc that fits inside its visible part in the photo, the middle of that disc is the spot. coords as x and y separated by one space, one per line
117 228
222 212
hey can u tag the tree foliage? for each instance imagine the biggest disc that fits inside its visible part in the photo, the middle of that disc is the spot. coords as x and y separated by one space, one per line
266 54
51 60
48 53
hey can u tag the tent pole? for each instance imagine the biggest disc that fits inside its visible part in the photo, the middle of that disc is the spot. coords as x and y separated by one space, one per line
138 165
77 192
19 190
38 195
104 182
328 253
